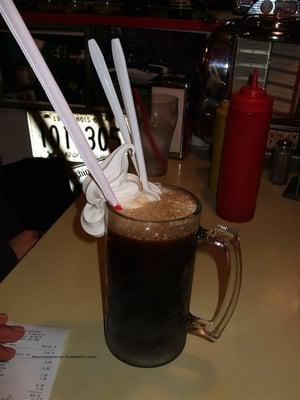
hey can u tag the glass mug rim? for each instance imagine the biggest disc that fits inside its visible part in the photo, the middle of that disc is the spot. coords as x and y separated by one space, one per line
195 213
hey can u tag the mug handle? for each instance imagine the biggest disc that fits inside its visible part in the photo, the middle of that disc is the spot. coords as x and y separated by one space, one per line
228 240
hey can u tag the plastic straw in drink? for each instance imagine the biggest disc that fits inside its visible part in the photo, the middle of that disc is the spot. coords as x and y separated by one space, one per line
123 79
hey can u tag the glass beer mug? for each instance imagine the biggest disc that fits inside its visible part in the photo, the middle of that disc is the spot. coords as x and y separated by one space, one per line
148 277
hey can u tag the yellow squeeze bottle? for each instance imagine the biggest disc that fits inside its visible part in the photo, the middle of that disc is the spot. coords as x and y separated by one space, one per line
218 128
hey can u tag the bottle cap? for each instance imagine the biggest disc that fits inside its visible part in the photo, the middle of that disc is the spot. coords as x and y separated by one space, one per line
252 98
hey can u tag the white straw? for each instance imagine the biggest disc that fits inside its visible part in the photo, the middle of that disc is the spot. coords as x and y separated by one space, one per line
123 78
39 66
109 89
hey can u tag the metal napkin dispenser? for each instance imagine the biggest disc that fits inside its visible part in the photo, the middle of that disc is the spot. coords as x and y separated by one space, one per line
175 85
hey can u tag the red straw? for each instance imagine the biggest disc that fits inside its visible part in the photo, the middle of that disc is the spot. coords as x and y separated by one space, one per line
147 129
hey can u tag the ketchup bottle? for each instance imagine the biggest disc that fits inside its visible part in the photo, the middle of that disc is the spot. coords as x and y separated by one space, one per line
244 148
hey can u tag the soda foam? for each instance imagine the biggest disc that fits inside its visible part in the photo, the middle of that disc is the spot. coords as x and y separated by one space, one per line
172 205
172 217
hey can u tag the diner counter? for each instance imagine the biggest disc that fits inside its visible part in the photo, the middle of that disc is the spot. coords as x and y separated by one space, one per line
256 358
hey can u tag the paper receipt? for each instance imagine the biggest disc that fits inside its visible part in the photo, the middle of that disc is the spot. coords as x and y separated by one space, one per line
30 374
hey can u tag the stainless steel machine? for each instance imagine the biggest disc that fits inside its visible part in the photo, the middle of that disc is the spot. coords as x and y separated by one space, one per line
265 34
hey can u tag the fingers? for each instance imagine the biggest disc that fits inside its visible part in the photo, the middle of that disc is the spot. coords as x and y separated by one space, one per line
10 334
3 318
6 353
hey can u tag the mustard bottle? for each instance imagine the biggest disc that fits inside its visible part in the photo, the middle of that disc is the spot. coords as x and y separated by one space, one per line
218 131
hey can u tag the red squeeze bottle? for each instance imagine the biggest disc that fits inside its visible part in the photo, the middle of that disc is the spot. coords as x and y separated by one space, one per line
243 154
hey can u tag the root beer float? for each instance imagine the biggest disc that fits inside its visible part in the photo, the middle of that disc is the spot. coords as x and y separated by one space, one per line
151 246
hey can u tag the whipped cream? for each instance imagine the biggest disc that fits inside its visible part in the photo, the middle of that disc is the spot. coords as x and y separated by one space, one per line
126 186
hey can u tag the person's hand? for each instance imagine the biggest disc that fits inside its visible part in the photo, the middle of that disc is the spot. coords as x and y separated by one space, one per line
23 242
8 334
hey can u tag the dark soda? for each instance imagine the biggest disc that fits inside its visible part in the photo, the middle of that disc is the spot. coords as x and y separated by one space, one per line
148 284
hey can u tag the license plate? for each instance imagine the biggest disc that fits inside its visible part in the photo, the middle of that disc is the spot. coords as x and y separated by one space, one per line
49 137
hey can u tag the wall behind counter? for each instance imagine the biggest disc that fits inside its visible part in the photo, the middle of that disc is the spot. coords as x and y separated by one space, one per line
14 137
